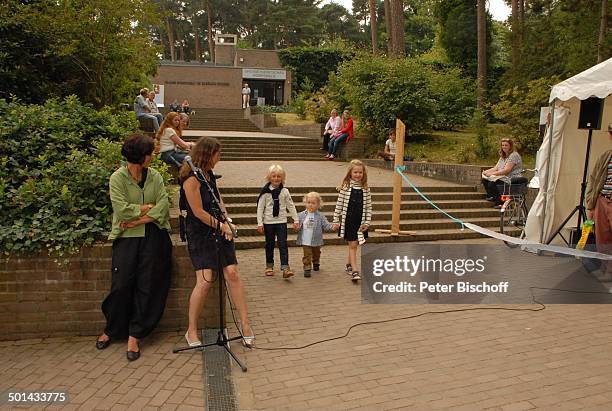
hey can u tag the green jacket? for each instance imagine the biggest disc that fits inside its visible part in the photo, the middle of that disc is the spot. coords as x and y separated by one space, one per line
127 197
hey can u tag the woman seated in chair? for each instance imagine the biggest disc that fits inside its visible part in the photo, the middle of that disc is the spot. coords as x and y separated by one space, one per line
507 170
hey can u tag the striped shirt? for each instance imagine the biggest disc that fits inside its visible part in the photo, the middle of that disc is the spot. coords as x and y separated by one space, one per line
342 208
606 191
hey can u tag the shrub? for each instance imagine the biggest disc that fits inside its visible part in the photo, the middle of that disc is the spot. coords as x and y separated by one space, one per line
519 107
422 95
54 169
320 105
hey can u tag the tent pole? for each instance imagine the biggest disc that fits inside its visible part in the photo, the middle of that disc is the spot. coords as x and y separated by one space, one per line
550 137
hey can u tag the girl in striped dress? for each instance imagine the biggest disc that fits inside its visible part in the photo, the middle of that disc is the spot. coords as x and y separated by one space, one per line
353 212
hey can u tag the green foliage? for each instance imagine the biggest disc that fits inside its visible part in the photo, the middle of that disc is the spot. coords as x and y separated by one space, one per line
298 105
558 38
379 89
483 146
458 34
519 107
455 97
54 169
314 63
320 105
98 49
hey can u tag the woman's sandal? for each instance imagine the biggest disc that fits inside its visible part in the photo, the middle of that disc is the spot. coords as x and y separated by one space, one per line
248 340
192 343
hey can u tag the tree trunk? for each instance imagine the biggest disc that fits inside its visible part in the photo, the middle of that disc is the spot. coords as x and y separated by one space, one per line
170 33
198 46
521 12
603 28
397 27
182 50
482 53
515 36
373 26
211 40
389 27
162 42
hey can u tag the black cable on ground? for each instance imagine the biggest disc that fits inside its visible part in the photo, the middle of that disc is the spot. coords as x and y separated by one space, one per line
541 307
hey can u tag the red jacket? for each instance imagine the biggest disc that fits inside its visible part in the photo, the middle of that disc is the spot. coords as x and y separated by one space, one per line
348 129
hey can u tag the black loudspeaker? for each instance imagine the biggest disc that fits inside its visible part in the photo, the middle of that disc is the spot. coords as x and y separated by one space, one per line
591 110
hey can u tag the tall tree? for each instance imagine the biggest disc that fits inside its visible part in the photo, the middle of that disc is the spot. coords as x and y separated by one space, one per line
397 28
514 25
482 53
373 26
603 30
388 26
210 32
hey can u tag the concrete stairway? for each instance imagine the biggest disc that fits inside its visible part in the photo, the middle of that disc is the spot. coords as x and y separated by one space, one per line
464 203
269 148
221 120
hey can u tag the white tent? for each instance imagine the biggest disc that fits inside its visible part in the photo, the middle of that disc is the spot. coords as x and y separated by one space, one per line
562 154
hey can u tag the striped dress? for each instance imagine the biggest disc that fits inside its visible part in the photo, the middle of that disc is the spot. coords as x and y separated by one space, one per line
342 206
606 190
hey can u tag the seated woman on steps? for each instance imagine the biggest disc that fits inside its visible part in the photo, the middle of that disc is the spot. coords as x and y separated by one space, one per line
173 149
345 134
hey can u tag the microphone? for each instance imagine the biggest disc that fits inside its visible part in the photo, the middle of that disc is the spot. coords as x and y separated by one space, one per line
198 172
191 165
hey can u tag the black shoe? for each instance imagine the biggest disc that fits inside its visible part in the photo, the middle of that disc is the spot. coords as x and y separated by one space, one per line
315 267
490 199
218 176
100 345
307 273
133 355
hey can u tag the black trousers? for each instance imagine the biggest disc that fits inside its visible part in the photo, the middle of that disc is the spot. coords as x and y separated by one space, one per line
492 189
140 283
326 137
278 232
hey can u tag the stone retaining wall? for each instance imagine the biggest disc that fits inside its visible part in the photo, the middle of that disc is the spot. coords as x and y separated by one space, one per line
303 130
39 298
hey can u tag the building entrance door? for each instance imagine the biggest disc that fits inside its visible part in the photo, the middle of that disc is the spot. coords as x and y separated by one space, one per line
272 91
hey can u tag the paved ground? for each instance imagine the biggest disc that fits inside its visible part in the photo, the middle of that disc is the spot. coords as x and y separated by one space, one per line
308 173
554 359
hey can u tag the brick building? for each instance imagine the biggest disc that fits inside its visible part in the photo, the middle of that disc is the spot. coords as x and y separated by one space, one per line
218 84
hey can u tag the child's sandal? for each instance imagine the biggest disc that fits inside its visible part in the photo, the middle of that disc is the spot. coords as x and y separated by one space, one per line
269 272
348 269
287 273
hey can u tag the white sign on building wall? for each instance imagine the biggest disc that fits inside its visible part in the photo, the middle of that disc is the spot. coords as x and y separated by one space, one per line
263 74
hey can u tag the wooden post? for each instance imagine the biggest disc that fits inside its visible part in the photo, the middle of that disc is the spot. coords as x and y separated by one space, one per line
400 132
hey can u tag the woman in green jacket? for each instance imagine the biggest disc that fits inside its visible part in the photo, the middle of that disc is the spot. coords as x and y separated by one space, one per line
142 248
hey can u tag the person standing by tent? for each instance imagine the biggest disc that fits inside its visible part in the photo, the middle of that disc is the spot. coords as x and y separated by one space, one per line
599 206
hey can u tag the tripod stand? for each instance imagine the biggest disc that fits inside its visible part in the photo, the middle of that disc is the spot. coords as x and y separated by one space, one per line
220 215
580 207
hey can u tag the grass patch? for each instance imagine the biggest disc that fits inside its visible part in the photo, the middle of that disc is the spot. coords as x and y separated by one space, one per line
291 119
456 147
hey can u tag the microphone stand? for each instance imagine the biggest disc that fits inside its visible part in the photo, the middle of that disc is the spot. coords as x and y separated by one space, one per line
220 214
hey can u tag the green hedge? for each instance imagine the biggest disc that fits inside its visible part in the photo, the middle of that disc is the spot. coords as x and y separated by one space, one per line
378 89
312 63
55 162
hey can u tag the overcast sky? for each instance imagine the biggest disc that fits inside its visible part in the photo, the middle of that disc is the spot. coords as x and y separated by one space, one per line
497 8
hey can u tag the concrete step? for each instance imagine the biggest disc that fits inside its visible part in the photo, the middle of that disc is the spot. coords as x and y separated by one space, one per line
279 148
227 191
379 216
298 151
331 197
250 242
379 206
271 157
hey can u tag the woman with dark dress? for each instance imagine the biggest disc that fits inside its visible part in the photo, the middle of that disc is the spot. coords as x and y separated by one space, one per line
353 213
200 227
142 249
